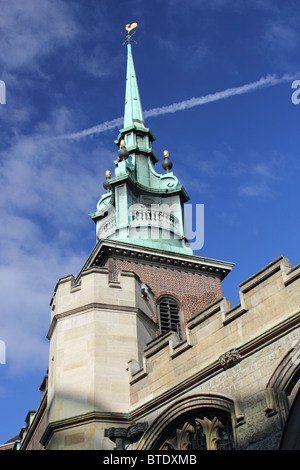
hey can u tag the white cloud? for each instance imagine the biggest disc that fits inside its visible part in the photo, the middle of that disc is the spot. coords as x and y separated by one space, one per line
27 282
252 176
270 80
193 56
32 176
282 36
97 62
264 170
32 29
168 46
263 82
216 164
256 189
105 126
260 178
47 191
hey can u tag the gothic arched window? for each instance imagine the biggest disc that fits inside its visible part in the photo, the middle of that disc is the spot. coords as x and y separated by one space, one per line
207 431
169 316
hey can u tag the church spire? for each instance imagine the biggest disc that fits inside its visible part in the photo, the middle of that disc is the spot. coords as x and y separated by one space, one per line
134 133
133 108
140 206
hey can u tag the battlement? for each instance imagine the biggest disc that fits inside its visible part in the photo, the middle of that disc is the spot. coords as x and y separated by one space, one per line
97 324
96 288
220 335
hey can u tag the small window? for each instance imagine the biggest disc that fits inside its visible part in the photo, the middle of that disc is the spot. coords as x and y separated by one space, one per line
169 317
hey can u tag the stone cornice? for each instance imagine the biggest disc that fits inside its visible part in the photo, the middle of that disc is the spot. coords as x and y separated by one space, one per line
94 416
196 264
97 306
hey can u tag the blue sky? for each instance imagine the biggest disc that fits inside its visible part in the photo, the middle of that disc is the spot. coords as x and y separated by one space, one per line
64 67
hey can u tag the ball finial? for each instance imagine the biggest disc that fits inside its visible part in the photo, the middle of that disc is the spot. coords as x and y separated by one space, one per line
123 152
166 164
106 185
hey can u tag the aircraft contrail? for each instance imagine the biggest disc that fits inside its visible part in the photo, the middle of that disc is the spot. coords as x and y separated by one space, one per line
264 82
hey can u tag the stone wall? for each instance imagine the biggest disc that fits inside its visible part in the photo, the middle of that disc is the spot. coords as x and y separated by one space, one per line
233 352
108 369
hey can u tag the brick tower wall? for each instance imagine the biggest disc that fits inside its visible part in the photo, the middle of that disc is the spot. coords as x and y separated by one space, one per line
193 291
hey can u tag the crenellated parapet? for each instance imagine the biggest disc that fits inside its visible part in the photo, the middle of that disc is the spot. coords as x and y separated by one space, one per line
221 336
96 288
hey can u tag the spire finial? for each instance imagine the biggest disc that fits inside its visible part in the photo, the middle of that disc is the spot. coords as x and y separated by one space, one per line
128 28
167 164
123 152
106 184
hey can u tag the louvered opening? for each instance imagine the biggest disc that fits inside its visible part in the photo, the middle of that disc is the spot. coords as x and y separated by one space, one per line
169 316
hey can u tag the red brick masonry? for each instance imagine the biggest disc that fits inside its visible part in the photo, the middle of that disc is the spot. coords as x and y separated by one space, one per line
193 291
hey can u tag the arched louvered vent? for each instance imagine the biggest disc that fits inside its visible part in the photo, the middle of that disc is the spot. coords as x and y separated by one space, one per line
169 317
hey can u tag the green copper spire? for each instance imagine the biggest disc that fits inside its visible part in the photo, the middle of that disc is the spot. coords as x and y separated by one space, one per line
141 206
137 136
133 107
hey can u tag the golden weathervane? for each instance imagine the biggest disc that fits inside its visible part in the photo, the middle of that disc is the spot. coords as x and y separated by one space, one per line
129 27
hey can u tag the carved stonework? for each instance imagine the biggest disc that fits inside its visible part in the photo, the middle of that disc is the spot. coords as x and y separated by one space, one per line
117 435
230 358
135 431
211 431
124 436
183 436
199 434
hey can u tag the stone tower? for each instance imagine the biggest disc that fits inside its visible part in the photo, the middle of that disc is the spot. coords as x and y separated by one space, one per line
142 280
